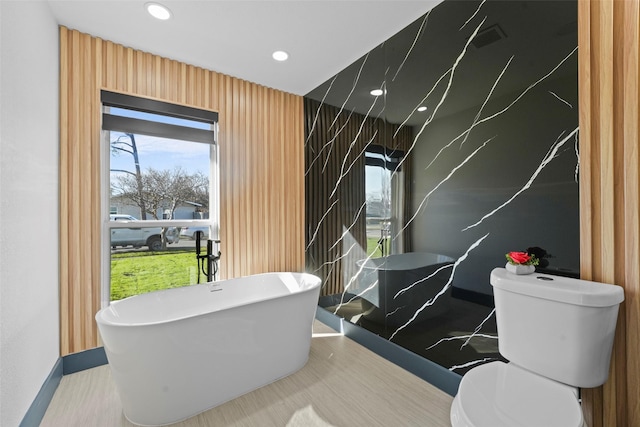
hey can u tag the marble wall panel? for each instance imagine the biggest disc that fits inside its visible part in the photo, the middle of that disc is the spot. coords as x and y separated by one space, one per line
490 166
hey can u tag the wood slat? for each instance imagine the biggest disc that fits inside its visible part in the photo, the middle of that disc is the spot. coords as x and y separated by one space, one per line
334 147
255 234
609 75
65 271
631 178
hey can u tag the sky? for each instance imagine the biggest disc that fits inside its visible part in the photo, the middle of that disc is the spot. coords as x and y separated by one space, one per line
167 154
161 153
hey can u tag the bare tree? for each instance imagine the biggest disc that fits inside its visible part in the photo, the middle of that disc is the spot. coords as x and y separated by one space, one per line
163 190
169 188
121 145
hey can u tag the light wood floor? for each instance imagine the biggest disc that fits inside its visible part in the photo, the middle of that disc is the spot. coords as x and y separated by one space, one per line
343 384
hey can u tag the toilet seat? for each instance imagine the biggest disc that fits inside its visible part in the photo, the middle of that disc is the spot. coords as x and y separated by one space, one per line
502 394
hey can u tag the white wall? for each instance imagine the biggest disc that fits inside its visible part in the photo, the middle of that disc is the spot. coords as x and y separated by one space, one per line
29 237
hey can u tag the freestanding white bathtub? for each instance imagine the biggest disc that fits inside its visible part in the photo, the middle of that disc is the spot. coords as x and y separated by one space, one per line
178 352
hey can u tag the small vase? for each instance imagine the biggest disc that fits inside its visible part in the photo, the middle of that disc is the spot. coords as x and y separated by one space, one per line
520 269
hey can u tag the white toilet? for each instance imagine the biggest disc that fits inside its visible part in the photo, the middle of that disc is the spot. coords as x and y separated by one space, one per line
557 334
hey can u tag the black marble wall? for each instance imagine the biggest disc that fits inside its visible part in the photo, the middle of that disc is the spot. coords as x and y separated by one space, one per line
490 166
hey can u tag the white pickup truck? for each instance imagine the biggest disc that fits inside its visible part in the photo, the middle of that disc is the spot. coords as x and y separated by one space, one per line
140 236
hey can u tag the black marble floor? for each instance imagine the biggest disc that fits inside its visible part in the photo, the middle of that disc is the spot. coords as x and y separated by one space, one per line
460 339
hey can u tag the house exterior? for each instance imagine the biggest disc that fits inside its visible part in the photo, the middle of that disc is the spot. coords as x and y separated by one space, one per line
185 210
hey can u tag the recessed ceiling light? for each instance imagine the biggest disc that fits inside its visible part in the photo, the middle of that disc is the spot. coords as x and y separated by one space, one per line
376 92
280 55
158 11
423 108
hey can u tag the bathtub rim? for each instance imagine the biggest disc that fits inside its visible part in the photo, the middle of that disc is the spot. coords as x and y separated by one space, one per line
101 321
365 264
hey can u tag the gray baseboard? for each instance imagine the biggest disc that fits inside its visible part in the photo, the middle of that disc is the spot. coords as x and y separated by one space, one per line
64 366
88 359
36 411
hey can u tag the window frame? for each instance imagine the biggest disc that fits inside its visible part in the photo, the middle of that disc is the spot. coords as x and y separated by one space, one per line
391 160
112 99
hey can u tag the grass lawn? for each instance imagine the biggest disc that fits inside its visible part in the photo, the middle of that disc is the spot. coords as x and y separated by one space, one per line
138 272
373 248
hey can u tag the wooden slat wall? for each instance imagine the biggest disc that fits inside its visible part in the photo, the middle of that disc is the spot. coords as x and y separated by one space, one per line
331 137
609 91
261 167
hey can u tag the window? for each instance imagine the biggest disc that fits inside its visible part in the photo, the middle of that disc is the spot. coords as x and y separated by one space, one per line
384 198
160 188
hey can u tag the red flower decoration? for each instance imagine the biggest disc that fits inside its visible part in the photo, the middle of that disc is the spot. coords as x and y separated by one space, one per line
522 258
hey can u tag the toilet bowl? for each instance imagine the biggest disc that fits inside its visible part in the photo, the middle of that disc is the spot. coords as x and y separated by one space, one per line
502 394
557 333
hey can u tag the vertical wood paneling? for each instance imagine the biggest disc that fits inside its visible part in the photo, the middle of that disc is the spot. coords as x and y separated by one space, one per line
85 170
259 221
65 269
334 158
95 190
609 73
74 207
631 188
263 120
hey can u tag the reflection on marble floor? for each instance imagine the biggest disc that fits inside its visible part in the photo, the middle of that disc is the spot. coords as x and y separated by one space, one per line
443 339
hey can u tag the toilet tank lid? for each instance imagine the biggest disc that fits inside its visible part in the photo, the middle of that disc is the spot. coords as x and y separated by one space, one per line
557 288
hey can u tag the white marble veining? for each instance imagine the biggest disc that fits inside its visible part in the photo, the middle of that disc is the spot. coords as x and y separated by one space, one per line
467 338
472 363
447 149
423 279
453 171
413 45
551 154
445 287
478 328
564 101
474 15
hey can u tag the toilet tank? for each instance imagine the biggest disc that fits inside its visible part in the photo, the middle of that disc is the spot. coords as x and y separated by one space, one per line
557 327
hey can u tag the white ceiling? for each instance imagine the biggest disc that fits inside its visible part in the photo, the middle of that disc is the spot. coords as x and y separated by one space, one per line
237 37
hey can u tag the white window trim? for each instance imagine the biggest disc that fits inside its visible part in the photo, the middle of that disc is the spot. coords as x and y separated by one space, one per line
106 224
